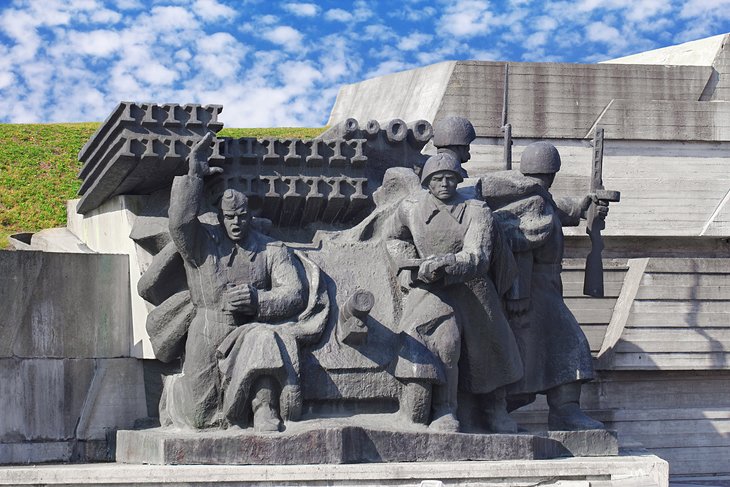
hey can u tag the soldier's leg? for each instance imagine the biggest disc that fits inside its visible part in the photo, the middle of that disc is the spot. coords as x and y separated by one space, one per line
565 412
196 392
265 398
445 342
497 419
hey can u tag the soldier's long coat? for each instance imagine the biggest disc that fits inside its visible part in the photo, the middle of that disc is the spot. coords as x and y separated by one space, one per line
553 347
466 301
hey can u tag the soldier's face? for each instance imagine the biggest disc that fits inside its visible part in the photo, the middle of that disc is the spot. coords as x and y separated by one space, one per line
443 185
236 222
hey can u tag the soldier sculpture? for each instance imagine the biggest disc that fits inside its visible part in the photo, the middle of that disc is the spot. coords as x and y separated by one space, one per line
554 349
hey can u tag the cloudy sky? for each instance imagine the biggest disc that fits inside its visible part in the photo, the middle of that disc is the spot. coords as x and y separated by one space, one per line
272 63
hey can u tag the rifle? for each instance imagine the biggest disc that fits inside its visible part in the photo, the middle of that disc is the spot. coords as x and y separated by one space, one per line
593 281
506 127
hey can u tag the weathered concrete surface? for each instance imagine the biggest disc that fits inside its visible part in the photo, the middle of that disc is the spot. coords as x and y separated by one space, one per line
64 305
701 52
106 230
545 99
711 51
630 469
587 443
57 240
412 94
55 404
318 445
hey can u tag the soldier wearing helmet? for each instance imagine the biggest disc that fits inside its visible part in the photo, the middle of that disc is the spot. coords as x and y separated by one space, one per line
453 135
554 349
443 250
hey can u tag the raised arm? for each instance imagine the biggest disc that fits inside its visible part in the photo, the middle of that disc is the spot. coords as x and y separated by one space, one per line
185 196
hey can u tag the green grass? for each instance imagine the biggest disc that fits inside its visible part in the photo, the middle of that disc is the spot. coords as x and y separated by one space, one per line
38 168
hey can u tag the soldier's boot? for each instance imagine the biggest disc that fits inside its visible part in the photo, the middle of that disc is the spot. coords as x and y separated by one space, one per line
444 403
265 416
565 412
497 418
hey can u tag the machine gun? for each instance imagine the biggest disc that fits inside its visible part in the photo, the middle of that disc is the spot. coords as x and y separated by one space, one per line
593 281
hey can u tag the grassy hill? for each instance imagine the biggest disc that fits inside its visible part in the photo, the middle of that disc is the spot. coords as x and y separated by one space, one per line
38 167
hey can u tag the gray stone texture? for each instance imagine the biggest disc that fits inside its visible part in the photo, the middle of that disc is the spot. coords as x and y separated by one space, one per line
139 147
57 403
629 470
546 100
351 444
40 294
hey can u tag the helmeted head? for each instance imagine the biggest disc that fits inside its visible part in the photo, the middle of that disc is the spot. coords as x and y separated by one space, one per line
454 133
234 215
540 158
441 175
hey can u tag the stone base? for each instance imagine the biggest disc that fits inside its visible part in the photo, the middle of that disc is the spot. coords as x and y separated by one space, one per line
627 470
350 444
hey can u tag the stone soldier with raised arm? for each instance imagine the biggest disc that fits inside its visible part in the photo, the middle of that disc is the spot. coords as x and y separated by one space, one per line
242 284
554 349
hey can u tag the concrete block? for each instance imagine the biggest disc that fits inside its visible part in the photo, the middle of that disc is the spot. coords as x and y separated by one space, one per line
409 95
68 399
544 99
106 230
631 469
320 444
64 305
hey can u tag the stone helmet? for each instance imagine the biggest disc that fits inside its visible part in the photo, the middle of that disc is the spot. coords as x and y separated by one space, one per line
540 158
453 131
441 162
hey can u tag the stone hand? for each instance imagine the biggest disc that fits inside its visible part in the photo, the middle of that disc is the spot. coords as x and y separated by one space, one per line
601 205
517 307
240 298
198 158
433 268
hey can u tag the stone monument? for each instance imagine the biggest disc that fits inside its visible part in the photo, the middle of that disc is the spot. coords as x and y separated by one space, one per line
344 294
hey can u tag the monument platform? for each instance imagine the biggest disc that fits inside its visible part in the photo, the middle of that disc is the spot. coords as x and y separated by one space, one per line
628 469
344 440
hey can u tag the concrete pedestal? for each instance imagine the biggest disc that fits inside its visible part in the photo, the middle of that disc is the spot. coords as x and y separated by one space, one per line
319 444
629 469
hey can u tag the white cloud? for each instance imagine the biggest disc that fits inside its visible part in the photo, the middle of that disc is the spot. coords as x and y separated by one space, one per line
415 41
105 16
601 32
287 37
301 9
536 40
100 43
467 18
210 10
337 14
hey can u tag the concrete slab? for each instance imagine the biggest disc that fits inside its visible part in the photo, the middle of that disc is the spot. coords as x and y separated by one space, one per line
56 400
106 230
630 469
338 444
45 300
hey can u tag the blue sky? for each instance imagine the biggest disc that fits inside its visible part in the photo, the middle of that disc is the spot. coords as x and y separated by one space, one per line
281 63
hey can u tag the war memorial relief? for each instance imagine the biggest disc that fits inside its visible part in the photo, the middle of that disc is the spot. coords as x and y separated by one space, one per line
348 291
412 286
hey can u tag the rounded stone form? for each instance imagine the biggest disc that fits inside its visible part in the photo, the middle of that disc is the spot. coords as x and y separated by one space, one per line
453 131
421 130
361 302
540 158
396 130
372 128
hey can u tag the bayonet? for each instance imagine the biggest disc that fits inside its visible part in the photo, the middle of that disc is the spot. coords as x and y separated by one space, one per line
506 127
593 281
